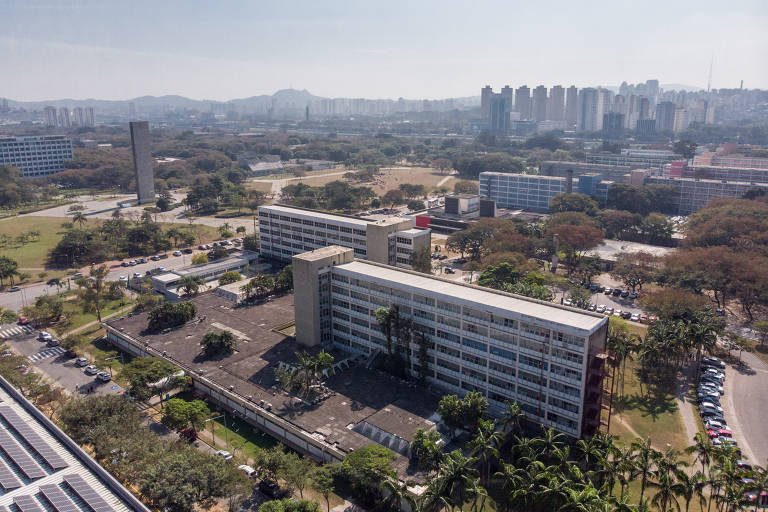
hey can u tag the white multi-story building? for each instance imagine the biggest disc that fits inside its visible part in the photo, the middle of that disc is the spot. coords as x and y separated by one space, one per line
285 231
528 192
546 357
36 155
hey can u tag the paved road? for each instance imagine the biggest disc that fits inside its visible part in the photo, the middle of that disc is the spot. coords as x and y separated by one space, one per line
27 295
745 407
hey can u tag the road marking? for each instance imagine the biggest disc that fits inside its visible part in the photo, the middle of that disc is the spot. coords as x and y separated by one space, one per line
13 331
44 354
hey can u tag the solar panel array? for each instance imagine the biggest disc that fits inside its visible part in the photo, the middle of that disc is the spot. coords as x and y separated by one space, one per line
20 457
37 443
27 503
87 493
8 479
58 498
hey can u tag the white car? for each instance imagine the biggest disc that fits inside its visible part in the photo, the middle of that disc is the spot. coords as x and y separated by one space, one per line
225 454
716 373
81 361
617 312
601 309
177 253
635 317
91 370
248 470
123 279
710 405
44 336
137 275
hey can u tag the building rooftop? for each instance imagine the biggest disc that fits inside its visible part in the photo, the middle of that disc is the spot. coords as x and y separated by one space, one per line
608 250
358 394
314 214
41 468
213 266
570 317
413 231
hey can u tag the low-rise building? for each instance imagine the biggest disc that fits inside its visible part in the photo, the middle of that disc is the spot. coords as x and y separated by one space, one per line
694 194
535 193
169 282
41 468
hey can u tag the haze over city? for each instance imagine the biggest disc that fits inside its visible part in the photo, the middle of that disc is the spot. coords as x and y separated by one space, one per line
111 50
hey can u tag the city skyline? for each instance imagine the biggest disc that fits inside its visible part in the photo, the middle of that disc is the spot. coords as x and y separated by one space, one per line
344 49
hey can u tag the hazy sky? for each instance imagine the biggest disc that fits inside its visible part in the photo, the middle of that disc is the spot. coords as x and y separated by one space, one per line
222 49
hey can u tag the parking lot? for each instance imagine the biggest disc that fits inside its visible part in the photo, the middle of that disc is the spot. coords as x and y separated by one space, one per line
54 364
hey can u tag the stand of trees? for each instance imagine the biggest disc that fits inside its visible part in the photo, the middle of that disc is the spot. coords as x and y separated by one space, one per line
169 315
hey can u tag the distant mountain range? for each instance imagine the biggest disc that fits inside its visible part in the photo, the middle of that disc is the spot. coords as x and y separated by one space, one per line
297 98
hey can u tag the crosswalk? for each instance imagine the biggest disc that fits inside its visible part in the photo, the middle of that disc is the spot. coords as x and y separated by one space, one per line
15 330
45 354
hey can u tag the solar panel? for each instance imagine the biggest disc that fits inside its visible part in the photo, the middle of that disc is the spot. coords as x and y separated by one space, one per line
58 498
20 457
87 493
8 480
45 450
27 503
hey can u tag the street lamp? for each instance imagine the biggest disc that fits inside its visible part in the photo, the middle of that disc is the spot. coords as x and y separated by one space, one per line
213 429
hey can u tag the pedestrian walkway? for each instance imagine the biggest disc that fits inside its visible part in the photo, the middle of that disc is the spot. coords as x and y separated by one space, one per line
45 354
12 331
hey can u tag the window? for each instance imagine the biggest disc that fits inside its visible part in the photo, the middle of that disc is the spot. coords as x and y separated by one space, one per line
562 404
448 336
500 352
535 363
467 342
447 350
446 364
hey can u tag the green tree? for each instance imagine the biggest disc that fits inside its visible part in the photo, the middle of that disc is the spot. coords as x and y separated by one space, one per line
230 277
218 343
145 376
191 284
574 203
421 260
322 482
425 449
685 148
8 269
365 469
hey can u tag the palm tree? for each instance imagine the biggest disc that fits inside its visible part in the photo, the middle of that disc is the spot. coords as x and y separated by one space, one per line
668 488
510 421
248 290
191 284
80 218
550 443
485 446
692 486
643 461
394 495
456 476
703 448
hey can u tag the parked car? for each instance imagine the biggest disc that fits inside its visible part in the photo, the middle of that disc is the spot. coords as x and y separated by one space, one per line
716 373
104 376
14 288
91 370
44 336
626 315
567 302
23 320
187 251
53 342
592 307
616 292
142 260
202 247
609 310
155 258
635 317
712 424
224 454
600 309
449 270
713 361
608 290
710 407
132 263
624 294
124 264
632 296
617 312
248 470
177 253
706 385
226 242
123 279
81 361
190 434
137 275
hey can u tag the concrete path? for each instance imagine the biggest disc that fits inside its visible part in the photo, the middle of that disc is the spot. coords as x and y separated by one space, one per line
444 180
684 405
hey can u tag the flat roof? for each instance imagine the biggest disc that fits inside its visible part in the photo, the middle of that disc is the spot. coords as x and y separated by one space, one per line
413 231
213 265
314 214
358 394
571 317
40 463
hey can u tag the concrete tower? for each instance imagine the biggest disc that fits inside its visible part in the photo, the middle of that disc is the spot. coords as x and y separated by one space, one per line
142 161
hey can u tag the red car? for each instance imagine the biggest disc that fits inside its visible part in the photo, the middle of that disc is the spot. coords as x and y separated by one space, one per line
23 320
719 432
189 434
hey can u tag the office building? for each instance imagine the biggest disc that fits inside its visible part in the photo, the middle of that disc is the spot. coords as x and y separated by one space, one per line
571 105
50 117
285 231
564 169
142 161
522 191
64 119
587 110
682 120
645 108
613 125
694 194
646 127
499 114
545 357
37 155
651 158
462 204
169 283
508 93
523 102
652 89
665 116
485 101
43 469
556 105
539 109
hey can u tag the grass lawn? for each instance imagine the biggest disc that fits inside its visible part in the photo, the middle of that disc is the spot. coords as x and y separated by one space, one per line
651 411
77 318
391 178
266 188
239 436
34 254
